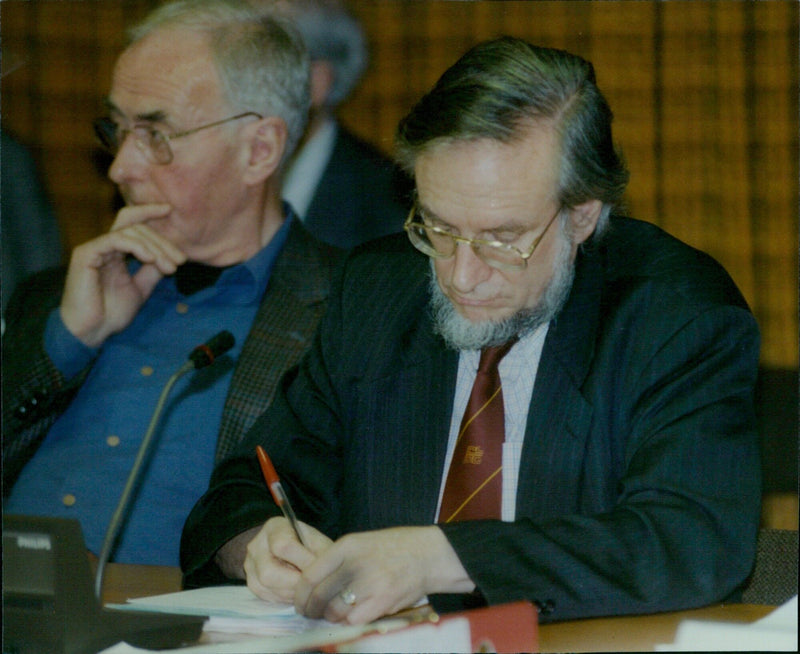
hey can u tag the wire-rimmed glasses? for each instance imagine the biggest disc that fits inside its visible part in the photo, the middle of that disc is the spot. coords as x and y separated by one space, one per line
441 244
152 142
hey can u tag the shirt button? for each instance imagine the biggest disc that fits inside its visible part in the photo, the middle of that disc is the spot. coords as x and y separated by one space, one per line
112 441
146 371
182 307
68 499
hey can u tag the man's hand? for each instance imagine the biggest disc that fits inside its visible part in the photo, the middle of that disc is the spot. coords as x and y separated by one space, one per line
100 296
386 571
275 559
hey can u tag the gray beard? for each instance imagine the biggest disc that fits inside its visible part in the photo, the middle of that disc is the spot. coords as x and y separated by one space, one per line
460 333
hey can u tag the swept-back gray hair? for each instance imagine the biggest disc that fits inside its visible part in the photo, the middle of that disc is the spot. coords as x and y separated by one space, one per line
497 89
261 60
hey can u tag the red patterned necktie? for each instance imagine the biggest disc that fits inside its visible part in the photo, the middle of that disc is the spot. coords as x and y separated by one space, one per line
474 486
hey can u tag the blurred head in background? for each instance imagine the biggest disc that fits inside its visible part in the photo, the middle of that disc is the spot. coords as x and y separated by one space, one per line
336 45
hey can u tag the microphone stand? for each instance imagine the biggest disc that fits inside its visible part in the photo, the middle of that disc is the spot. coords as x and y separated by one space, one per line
133 477
200 357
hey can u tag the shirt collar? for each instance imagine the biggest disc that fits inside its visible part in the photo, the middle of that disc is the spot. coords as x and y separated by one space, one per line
526 349
253 275
245 282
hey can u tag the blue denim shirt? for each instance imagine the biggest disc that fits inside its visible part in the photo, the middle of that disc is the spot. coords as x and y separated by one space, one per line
80 469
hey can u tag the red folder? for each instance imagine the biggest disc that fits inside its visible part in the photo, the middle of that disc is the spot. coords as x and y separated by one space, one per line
504 628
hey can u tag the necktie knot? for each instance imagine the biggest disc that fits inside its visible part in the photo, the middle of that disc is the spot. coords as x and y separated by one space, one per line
491 356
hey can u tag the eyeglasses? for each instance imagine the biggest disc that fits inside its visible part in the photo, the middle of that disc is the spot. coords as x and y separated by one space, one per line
153 143
441 244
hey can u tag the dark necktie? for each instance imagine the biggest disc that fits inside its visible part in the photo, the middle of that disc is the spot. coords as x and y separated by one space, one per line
474 486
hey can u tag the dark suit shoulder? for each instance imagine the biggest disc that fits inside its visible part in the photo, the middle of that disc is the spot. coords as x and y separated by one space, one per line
380 304
40 285
351 146
373 172
389 260
637 252
362 194
33 299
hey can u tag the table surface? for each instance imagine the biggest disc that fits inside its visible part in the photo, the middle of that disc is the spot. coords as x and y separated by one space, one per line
617 634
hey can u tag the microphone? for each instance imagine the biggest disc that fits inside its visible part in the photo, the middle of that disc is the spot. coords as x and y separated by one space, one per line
200 357
205 354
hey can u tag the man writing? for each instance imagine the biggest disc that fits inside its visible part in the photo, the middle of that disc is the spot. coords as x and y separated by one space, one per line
538 400
199 128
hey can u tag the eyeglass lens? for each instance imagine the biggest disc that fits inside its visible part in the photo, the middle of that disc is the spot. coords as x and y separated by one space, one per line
150 141
442 245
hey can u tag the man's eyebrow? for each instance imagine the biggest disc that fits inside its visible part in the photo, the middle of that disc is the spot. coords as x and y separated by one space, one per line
428 214
517 226
157 116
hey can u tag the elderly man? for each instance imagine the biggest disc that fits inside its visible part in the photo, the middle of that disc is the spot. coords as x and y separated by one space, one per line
199 129
607 464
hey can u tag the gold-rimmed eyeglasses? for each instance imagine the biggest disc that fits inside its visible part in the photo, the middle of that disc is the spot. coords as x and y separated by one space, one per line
152 142
441 244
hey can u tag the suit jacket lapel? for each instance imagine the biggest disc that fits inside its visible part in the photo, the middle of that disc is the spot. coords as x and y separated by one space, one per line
559 417
282 331
436 369
412 430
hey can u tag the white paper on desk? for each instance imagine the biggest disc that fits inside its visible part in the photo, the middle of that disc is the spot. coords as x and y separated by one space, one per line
235 610
272 626
230 609
309 641
228 601
775 632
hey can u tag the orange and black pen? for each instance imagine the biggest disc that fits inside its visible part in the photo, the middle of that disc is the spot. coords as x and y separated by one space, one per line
278 494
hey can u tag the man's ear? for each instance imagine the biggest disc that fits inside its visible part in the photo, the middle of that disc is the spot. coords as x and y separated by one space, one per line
322 78
265 149
584 219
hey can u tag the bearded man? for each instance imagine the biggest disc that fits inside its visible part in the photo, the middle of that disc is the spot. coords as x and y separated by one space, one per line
609 464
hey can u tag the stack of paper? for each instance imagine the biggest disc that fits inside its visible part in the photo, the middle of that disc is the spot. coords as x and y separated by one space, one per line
775 632
230 609
234 610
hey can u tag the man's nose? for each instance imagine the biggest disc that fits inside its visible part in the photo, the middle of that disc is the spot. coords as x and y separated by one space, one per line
468 269
129 162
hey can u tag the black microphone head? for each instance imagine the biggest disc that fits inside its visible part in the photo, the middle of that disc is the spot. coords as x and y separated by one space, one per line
205 354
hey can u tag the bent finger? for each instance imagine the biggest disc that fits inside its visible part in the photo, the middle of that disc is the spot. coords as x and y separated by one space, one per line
134 214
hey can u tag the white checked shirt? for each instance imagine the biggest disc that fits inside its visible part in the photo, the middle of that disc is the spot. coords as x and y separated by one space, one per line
518 371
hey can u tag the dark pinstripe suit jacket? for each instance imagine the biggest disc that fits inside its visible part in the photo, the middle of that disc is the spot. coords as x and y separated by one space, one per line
282 331
639 479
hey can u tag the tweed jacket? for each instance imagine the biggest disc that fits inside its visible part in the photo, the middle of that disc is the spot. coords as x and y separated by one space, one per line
639 480
35 392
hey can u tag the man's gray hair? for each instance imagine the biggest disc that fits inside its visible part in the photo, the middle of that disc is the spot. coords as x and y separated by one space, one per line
498 89
262 63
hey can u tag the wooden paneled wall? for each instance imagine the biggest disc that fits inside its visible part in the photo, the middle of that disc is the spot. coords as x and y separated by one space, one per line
705 96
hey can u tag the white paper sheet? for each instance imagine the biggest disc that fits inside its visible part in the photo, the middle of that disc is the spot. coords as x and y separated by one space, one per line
230 601
775 632
235 610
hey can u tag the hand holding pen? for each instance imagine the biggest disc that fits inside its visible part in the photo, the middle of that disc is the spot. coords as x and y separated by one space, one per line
336 581
278 494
